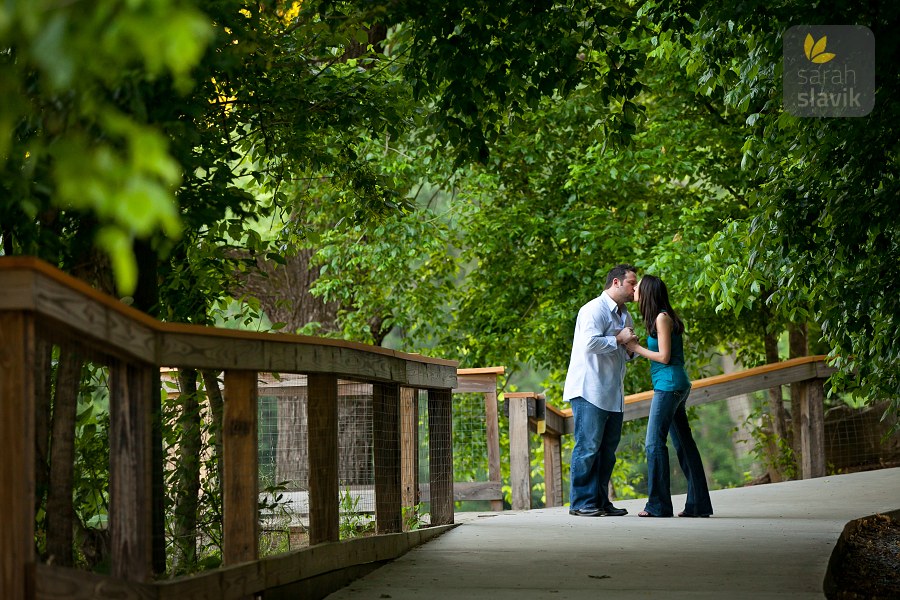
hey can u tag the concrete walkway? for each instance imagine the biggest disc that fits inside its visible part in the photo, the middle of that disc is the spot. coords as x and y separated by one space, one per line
768 541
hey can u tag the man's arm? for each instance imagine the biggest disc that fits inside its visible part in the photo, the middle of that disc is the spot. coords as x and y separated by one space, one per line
599 341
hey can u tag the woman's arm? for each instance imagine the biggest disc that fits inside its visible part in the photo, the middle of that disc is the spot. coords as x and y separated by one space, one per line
664 336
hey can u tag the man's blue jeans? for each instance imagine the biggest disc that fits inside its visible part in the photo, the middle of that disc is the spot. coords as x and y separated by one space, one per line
669 418
597 433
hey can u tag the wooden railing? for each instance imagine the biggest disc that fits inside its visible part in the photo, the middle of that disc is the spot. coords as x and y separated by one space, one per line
483 381
529 412
41 306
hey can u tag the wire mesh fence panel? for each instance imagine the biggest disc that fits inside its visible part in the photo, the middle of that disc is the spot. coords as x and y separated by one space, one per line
283 462
424 468
356 469
469 438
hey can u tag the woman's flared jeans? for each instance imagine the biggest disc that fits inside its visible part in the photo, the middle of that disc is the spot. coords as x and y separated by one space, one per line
669 418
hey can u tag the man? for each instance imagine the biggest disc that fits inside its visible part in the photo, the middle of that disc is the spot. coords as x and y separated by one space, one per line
596 390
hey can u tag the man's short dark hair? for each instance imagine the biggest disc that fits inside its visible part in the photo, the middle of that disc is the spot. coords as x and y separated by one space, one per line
618 272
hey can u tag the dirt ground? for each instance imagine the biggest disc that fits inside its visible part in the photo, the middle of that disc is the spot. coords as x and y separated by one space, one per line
869 564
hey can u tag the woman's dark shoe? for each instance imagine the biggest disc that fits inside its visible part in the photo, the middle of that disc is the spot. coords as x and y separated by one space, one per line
689 515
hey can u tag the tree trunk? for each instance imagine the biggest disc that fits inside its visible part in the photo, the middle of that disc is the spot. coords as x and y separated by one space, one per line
187 471
146 299
217 410
283 293
60 512
797 347
739 408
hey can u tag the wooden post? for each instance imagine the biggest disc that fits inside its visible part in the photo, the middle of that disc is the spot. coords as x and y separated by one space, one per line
552 470
409 447
17 355
240 466
386 448
130 476
519 455
440 452
157 476
324 495
812 429
492 424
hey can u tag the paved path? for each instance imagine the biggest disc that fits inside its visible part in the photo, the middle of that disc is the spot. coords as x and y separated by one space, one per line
768 541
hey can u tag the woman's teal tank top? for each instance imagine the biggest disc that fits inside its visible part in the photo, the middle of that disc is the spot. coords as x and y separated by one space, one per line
673 376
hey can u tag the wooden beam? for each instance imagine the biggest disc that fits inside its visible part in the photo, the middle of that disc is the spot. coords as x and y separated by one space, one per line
17 355
102 322
130 451
266 576
324 495
812 429
552 470
386 449
240 466
492 431
440 451
409 447
468 490
477 380
519 453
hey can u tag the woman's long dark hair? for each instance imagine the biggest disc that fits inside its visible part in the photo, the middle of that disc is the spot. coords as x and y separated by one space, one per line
654 300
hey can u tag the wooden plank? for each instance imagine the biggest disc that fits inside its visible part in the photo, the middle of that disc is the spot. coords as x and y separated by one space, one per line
430 375
323 459
409 447
17 355
720 387
61 583
105 324
95 323
559 421
492 435
386 450
482 370
475 382
210 348
240 465
468 490
553 495
130 471
812 430
519 454
440 453
18 290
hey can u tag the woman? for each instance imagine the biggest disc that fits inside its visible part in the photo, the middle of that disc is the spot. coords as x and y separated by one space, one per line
671 387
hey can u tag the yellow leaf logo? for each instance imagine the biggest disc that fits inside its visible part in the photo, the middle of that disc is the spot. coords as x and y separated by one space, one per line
815 51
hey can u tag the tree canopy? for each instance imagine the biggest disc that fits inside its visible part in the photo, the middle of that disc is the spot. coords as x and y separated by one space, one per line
462 175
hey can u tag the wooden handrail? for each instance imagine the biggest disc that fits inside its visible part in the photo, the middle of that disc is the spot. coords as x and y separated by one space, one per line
556 422
40 305
719 387
30 284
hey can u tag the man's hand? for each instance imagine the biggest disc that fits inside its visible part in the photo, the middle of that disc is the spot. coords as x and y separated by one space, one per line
625 336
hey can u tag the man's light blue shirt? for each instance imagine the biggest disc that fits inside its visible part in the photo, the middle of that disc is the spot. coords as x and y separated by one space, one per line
597 366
